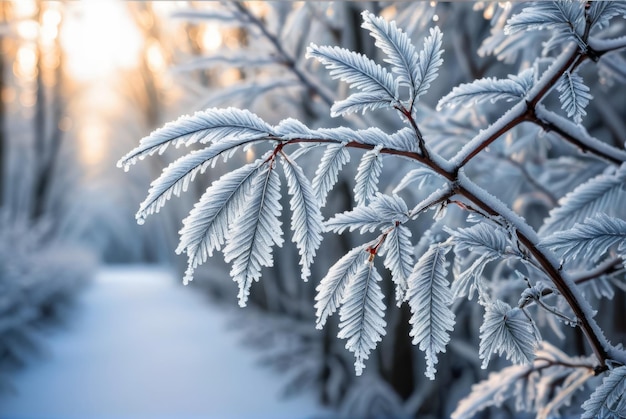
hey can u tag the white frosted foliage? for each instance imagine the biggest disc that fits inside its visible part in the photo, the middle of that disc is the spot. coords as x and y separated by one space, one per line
361 314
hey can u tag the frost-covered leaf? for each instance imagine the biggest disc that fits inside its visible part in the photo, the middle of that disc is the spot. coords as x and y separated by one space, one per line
334 158
603 193
609 399
429 297
204 126
306 218
360 102
206 227
489 88
362 314
178 175
404 140
506 330
253 234
383 210
469 280
565 17
399 259
429 62
332 287
355 69
493 391
574 95
397 45
483 239
420 175
601 12
590 239
367 176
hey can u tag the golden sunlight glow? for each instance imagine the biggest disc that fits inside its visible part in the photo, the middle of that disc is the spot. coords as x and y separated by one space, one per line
99 38
92 139
25 65
154 55
28 30
211 38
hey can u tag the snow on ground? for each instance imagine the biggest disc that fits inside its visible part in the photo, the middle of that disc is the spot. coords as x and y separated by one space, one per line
141 345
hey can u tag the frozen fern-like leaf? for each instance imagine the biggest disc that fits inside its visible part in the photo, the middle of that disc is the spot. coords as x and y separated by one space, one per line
383 210
355 69
420 176
306 219
489 88
334 158
206 227
177 176
399 259
362 314
429 297
367 176
601 12
359 102
563 16
253 234
396 44
590 239
574 95
331 288
483 239
205 126
506 330
493 391
429 62
609 399
601 194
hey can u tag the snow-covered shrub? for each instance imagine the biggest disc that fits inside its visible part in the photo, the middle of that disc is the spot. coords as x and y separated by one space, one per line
39 276
483 171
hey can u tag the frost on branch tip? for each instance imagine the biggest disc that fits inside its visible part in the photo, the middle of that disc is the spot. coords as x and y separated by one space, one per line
204 127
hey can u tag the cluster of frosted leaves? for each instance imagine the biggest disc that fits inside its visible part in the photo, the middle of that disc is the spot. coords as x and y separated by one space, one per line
541 386
239 214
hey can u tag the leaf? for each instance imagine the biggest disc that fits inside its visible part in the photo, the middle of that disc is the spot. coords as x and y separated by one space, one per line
206 227
564 16
383 210
421 175
608 399
574 95
601 12
367 176
359 102
177 176
361 314
489 89
355 69
483 239
590 240
399 259
506 330
429 297
429 62
306 218
334 158
331 288
396 44
204 126
255 232
603 193
493 391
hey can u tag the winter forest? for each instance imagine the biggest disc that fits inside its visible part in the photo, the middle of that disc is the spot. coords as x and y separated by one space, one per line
349 209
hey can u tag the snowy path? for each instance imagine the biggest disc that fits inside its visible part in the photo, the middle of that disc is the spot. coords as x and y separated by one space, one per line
143 346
